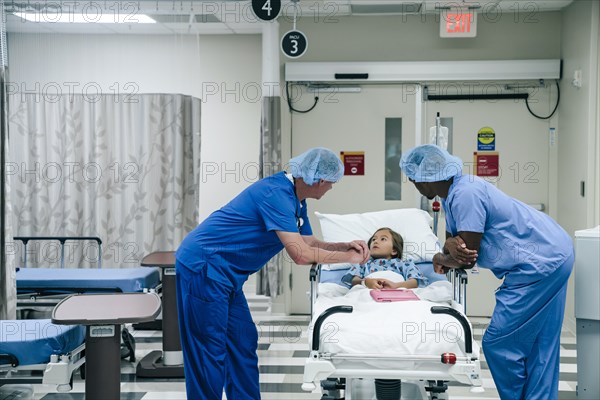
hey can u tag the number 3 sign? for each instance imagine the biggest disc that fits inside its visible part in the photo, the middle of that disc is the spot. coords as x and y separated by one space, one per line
266 10
294 44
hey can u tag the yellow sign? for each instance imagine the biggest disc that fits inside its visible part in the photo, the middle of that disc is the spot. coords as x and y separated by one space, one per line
486 139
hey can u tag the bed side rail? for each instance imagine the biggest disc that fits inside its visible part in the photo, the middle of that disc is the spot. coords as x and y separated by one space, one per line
317 328
463 322
61 240
315 274
459 279
7 359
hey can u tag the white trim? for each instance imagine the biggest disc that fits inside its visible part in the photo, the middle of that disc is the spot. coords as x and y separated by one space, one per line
424 71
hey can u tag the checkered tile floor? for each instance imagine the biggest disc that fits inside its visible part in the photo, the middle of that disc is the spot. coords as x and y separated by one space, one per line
283 347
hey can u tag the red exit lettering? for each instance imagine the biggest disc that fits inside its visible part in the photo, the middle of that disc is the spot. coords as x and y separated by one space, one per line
458 23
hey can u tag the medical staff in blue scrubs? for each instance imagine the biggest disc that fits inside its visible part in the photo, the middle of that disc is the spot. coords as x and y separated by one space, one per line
519 244
218 337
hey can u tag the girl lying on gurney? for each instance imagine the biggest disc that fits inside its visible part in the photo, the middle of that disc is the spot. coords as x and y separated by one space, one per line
385 269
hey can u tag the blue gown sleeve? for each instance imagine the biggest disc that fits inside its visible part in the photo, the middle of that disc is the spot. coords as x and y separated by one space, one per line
411 271
469 209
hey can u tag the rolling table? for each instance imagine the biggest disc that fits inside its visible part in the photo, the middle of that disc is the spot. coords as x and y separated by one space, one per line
103 315
167 363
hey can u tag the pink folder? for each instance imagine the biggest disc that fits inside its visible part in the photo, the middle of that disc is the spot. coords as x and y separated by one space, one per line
387 295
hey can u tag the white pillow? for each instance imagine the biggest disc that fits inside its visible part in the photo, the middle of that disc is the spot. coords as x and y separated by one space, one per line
414 225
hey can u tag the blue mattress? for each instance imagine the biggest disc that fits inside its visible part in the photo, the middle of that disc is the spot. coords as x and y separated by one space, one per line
125 280
33 341
426 268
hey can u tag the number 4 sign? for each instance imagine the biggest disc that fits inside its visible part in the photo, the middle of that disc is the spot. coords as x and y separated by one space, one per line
266 10
293 44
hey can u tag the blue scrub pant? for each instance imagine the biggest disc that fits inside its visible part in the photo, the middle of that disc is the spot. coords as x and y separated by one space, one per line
218 338
522 343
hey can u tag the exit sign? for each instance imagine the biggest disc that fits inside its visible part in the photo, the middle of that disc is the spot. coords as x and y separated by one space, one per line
456 24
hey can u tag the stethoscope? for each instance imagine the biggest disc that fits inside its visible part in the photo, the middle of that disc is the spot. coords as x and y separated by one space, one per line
299 219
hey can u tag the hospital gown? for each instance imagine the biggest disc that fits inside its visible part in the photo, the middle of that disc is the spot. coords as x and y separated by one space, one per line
407 269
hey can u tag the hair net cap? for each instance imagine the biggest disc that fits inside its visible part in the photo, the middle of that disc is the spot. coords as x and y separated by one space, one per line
316 164
430 163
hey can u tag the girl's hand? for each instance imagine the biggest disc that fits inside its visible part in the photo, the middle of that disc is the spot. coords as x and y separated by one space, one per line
390 285
373 283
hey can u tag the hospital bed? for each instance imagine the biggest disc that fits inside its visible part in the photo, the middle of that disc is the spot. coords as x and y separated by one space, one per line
38 346
424 343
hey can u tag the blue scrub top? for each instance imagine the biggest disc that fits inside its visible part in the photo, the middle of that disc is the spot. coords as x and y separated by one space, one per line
517 240
238 239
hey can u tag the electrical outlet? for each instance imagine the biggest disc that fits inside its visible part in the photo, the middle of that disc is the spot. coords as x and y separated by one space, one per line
577 77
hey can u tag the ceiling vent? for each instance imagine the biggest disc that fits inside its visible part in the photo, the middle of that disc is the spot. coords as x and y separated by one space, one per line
184 18
380 9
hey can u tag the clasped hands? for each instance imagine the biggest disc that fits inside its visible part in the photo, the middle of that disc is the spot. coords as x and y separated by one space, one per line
380 283
459 254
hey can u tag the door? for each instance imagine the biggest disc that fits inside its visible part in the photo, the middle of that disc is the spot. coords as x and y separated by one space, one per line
522 142
356 122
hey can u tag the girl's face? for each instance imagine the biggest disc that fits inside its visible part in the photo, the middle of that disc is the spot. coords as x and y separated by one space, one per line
382 245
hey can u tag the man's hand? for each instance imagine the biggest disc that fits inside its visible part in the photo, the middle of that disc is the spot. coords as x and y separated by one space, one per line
362 248
357 256
459 251
438 265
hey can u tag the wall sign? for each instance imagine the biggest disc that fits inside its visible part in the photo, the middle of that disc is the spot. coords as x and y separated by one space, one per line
486 139
266 10
293 44
486 163
354 162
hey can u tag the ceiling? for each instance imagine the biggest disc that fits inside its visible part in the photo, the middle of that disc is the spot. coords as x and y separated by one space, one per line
230 16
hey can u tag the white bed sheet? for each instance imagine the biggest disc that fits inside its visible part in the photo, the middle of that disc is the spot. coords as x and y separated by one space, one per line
396 328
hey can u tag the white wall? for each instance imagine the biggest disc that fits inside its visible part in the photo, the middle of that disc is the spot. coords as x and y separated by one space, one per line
224 71
416 38
578 127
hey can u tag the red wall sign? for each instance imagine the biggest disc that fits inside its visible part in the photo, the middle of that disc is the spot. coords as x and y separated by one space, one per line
354 162
486 163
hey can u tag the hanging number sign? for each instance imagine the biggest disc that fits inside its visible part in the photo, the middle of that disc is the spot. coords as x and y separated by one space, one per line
294 44
266 10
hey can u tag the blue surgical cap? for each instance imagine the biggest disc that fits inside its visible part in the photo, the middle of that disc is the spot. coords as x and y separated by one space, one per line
430 163
316 164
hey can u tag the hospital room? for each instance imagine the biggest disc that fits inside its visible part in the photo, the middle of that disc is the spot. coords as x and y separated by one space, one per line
300 199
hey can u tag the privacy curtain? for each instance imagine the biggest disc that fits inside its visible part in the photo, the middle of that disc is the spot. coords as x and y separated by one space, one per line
7 265
120 167
270 277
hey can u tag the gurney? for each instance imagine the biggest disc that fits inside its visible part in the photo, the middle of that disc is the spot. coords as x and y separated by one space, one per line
40 345
40 286
425 343
40 289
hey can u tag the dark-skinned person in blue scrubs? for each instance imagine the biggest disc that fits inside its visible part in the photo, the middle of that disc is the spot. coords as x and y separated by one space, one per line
524 247
218 337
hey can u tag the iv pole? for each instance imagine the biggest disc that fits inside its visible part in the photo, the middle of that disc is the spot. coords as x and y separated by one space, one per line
435 206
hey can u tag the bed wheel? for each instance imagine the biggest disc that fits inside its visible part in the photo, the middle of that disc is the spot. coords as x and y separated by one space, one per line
437 390
129 345
63 388
332 388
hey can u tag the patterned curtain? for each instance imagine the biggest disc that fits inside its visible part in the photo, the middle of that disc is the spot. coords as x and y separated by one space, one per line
7 264
125 169
270 278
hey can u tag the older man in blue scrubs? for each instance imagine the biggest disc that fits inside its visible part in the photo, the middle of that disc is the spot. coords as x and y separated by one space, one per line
519 244
218 337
